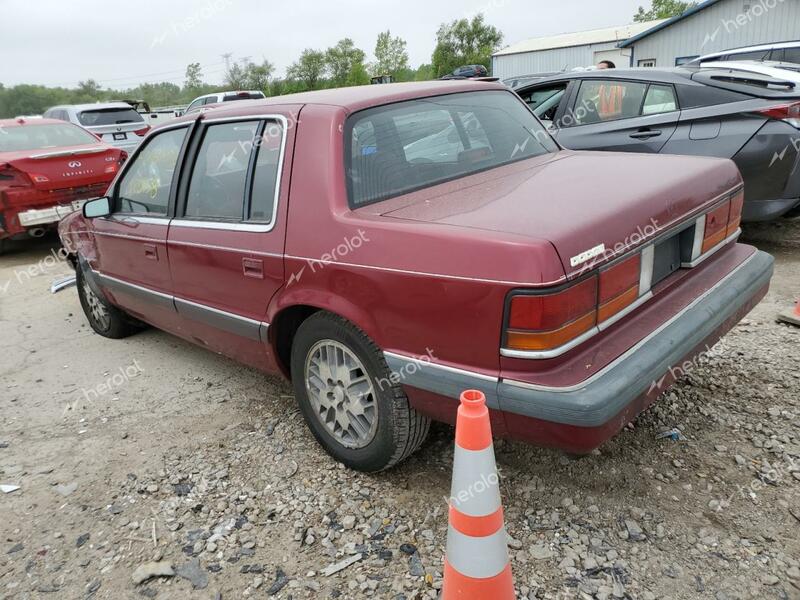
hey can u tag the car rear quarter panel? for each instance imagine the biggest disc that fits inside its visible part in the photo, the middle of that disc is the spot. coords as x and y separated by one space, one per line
417 289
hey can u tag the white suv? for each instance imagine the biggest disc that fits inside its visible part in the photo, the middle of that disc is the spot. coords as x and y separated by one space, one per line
198 103
115 123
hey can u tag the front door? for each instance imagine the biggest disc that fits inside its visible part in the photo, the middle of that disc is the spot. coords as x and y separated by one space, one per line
226 244
131 261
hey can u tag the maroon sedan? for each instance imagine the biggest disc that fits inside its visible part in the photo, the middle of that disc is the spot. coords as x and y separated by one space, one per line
48 168
387 247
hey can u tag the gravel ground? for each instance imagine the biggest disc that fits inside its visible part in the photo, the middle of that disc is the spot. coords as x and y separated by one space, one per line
151 457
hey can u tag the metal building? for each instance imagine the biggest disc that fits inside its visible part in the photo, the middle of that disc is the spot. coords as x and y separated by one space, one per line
712 26
567 51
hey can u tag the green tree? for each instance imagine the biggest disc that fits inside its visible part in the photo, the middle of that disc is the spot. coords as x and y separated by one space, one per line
345 63
194 76
391 57
464 42
309 69
662 9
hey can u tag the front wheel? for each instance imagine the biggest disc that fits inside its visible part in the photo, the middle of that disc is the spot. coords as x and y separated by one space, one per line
104 318
343 387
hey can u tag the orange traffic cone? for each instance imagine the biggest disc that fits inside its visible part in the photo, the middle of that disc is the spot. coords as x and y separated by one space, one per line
791 317
476 566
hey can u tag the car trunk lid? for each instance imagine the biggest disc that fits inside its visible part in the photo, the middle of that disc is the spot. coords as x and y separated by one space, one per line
65 167
591 206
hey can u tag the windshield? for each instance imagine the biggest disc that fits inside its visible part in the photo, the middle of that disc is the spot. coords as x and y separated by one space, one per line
38 137
395 149
109 116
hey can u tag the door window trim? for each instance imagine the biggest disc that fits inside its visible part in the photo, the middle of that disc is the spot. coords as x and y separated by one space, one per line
114 187
230 224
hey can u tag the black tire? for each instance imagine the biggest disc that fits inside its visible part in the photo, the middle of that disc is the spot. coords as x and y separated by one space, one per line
400 430
117 325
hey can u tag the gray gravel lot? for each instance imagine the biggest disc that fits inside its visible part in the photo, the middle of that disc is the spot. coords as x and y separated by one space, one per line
150 450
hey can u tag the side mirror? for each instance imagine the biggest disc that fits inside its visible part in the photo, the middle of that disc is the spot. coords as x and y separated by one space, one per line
99 207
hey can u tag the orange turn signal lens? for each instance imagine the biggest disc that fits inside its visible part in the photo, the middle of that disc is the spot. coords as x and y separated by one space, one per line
621 302
547 340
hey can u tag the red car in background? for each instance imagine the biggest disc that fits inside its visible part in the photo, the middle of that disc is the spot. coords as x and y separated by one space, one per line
48 168
388 247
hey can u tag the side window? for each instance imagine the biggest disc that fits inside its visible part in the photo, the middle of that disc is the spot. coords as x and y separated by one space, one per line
756 55
194 105
659 99
219 175
600 101
791 55
145 187
544 102
265 177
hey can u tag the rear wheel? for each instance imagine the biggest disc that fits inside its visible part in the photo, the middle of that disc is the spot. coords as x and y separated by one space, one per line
104 318
343 387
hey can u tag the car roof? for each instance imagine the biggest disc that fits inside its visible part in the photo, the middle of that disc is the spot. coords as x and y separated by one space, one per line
93 106
356 98
756 48
666 75
22 122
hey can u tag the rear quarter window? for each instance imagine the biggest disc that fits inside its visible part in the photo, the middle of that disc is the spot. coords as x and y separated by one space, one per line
402 147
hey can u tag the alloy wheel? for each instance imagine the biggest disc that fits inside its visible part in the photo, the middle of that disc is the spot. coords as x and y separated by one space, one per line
341 393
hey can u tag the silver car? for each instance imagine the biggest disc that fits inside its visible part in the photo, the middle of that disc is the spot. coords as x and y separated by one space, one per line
115 123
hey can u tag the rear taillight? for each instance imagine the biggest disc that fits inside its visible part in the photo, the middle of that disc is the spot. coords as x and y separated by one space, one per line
619 287
735 217
548 321
716 229
142 132
11 177
784 112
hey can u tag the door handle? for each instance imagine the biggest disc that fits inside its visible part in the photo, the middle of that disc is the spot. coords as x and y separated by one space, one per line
252 267
646 134
151 251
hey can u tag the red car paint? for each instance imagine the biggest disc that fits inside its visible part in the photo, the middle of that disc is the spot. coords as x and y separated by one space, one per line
45 177
437 265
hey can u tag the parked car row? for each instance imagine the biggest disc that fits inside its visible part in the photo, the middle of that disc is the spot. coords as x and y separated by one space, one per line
747 112
387 247
48 168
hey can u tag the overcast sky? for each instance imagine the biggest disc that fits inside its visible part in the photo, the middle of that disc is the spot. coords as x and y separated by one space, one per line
121 44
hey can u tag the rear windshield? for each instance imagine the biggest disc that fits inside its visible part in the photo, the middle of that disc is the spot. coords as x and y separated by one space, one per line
39 137
244 96
398 148
109 116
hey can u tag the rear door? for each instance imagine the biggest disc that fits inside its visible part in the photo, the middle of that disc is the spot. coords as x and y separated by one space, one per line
131 243
226 245
622 116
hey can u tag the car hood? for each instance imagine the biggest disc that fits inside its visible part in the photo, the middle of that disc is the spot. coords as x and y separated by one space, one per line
579 201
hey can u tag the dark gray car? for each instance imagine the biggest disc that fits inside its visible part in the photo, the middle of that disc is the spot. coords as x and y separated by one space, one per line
750 118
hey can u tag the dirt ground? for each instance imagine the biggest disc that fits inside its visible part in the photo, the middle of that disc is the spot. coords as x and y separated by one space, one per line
151 449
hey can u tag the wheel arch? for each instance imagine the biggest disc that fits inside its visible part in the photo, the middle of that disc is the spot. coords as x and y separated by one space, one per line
292 310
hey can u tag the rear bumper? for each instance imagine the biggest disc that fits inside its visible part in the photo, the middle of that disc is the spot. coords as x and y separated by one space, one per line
581 417
45 216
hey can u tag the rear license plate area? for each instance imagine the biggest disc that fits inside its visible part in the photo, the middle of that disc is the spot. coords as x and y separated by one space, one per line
120 137
667 258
